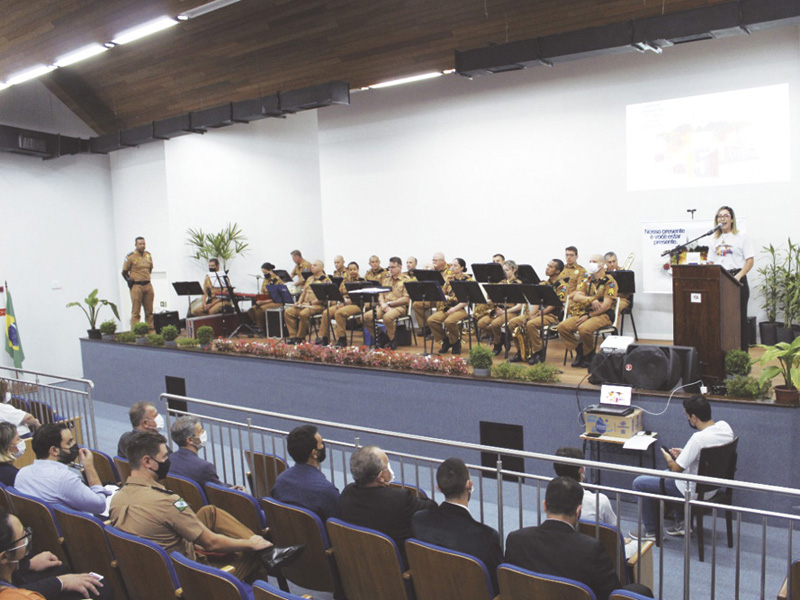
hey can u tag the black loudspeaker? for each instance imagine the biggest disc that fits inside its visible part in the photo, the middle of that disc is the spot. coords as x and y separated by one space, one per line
606 368
165 318
651 368
502 435
177 387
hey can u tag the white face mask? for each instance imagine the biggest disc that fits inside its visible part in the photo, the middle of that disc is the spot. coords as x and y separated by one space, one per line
202 439
391 473
159 422
21 448
592 268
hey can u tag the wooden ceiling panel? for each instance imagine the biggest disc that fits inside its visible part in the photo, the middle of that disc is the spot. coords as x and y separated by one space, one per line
258 47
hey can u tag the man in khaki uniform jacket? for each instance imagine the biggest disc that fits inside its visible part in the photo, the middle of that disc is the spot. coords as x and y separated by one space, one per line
341 311
298 315
391 305
136 271
300 265
211 304
375 272
573 273
444 322
421 308
339 269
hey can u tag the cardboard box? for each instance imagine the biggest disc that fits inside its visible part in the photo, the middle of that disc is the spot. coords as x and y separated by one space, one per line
614 426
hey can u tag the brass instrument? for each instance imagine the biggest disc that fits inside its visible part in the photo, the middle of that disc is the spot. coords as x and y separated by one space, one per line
481 310
520 333
628 262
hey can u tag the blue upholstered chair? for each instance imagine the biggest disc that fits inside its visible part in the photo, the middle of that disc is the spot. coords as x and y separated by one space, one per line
200 582
517 583
438 572
145 567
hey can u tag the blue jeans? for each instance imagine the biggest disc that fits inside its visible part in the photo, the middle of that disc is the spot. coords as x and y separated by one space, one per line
652 485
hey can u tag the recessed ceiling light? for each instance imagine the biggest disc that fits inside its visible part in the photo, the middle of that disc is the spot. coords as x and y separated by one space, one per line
143 30
81 54
28 74
403 80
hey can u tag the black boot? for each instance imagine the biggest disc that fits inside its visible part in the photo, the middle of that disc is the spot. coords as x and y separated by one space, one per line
445 346
578 356
587 360
325 341
516 358
341 342
534 359
457 347
497 348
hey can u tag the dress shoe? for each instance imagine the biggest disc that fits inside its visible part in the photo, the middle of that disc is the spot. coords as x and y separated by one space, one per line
586 361
445 346
533 359
457 347
274 558
516 358
318 342
578 356
393 344
341 342
324 341
497 348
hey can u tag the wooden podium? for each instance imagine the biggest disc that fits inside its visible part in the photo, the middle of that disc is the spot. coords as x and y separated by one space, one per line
705 308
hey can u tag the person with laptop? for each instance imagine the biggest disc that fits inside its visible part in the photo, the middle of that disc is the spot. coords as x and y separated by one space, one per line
709 433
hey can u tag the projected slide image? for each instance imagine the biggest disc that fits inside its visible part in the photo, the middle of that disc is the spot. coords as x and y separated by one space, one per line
714 139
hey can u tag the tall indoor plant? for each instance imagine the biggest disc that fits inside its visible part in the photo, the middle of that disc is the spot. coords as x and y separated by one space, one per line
769 296
92 307
223 245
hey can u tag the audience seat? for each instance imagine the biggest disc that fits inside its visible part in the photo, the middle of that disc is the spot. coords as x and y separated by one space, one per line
203 582
263 590
187 489
626 595
5 500
104 465
517 583
123 468
145 568
438 572
264 470
38 515
240 504
614 544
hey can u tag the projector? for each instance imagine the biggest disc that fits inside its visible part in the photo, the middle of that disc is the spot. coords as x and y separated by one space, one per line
616 344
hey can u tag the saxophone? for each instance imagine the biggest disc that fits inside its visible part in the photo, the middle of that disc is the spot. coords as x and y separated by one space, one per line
520 334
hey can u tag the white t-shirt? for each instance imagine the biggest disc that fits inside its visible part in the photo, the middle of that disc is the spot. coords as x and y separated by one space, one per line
590 508
731 250
714 435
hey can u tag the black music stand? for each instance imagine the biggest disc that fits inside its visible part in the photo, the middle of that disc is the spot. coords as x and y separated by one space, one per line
625 280
488 272
370 290
429 275
224 282
327 292
506 293
283 275
471 293
425 291
358 299
280 294
527 274
189 289
543 296
305 275
337 281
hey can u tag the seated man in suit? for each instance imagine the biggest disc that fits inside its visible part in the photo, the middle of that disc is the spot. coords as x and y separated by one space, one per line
304 484
144 417
298 315
556 548
189 435
451 525
370 502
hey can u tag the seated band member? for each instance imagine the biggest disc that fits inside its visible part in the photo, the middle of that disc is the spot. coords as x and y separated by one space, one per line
411 264
339 269
573 273
340 311
444 322
258 312
538 319
298 315
300 265
496 318
499 259
211 304
375 272
612 264
421 308
591 307
391 305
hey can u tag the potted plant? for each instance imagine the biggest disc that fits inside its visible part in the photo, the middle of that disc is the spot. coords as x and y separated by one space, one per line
224 246
126 337
188 342
737 362
750 388
141 329
480 359
788 356
204 335
155 339
170 333
91 310
108 329
769 294
789 291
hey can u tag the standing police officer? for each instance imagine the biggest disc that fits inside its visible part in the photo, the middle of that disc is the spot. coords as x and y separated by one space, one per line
136 271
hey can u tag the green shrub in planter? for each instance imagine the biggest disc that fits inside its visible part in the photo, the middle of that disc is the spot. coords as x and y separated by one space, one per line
141 329
155 339
543 373
204 335
737 362
127 337
170 332
108 327
188 343
480 357
539 373
742 386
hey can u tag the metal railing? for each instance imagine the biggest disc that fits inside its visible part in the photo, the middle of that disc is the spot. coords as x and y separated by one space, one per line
510 505
49 396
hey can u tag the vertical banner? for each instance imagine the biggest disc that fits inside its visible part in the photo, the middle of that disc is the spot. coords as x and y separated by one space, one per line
13 342
657 237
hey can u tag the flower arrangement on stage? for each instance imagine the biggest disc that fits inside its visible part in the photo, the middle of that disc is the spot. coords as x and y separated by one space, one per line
350 355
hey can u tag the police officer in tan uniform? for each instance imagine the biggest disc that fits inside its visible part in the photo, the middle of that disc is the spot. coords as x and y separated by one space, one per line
573 273
300 265
421 308
449 313
375 272
341 310
391 305
539 319
136 271
258 312
298 315
411 264
339 269
146 508
212 304
591 307
612 264
496 319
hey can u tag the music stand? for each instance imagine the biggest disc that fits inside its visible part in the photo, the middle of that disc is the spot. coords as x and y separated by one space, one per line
283 275
429 275
305 275
357 298
527 274
471 293
488 272
337 281
625 280
543 296
189 289
506 293
425 291
327 292
370 290
244 321
279 293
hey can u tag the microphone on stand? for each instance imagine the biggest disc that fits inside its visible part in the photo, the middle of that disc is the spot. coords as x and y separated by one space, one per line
717 228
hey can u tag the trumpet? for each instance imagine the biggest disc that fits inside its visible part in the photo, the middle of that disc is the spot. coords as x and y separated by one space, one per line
628 262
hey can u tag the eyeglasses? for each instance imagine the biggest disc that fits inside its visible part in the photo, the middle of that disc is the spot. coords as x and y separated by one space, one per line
724 216
27 537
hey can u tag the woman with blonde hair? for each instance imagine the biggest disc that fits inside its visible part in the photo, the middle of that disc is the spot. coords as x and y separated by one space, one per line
11 448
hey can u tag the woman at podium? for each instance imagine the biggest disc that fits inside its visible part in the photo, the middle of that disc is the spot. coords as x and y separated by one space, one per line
733 250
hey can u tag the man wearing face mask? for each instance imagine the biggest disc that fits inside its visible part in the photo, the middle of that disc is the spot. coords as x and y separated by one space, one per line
50 478
371 502
452 526
146 508
189 435
304 484
144 417
681 460
590 309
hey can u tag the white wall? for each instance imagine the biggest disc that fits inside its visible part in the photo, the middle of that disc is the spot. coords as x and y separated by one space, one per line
526 163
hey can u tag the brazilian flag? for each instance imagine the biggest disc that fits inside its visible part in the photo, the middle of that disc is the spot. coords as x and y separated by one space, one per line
13 343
